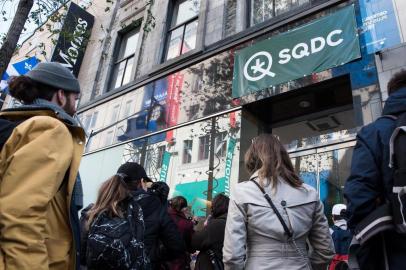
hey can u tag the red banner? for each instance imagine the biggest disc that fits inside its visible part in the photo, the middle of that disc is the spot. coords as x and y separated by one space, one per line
175 82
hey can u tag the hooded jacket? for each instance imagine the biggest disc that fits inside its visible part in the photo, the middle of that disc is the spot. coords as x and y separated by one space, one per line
40 192
370 185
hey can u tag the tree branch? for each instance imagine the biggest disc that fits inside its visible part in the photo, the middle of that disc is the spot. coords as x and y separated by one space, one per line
14 32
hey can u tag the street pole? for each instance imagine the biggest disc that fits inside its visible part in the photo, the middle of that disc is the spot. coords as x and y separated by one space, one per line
211 163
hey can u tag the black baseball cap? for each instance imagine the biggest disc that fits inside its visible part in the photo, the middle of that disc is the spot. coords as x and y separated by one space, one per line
133 171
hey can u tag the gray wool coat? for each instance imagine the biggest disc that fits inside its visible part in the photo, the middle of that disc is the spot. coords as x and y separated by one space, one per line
255 239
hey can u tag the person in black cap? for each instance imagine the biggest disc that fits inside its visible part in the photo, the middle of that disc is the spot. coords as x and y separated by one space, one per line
40 189
130 182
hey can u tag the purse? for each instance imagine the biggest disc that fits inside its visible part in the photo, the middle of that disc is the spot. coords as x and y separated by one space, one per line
216 263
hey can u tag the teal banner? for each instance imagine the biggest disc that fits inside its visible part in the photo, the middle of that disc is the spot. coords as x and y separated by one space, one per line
165 166
229 163
324 43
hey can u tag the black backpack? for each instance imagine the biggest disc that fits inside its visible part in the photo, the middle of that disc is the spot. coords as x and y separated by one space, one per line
117 243
6 128
391 215
397 148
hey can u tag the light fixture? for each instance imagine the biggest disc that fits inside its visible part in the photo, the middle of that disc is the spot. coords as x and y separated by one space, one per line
304 104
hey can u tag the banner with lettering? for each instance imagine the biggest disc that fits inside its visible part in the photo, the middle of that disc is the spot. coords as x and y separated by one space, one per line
229 162
324 43
75 33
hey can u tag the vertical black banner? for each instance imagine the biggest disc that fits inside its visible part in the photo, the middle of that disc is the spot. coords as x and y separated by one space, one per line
73 38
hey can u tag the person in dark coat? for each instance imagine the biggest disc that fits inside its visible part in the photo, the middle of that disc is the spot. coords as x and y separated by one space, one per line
371 180
159 227
176 210
212 235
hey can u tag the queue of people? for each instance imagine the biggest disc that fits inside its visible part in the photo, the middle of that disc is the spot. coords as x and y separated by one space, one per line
272 220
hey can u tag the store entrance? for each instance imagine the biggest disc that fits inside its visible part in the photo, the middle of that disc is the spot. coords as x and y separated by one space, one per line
317 126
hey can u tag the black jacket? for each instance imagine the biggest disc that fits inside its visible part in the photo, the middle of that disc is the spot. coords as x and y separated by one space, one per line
159 227
211 237
371 182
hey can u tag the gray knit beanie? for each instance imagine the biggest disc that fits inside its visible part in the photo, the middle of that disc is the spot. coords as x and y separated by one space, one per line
56 75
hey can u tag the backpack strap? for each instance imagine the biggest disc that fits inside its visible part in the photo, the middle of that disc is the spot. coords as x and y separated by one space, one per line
268 198
390 116
400 127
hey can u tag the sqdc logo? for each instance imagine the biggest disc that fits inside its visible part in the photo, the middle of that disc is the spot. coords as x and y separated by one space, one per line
260 68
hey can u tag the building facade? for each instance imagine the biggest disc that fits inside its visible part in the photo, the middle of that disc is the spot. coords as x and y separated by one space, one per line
169 86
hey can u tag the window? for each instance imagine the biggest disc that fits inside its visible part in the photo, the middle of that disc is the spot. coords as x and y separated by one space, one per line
221 144
161 151
262 10
204 146
127 110
108 140
120 131
114 114
123 65
149 160
183 29
187 151
89 121
86 122
94 120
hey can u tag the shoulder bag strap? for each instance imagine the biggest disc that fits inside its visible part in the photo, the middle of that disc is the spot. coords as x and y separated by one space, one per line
268 198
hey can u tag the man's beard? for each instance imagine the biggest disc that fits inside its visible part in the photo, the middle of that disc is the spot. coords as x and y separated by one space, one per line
69 108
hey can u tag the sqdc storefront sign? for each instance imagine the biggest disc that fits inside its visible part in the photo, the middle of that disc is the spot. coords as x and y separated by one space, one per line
314 47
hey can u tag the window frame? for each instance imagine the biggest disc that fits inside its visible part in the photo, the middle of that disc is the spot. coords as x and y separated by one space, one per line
204 148
275 17
123 36
217 142
174 10
184 151
161 151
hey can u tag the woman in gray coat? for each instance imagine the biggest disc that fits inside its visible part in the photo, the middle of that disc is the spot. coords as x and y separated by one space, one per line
255 238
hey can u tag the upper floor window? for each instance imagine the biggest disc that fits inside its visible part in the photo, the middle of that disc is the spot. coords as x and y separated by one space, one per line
161 151
128 107
262 10
220 144
114 114
89 121
204 147
124 61
181 37
187 151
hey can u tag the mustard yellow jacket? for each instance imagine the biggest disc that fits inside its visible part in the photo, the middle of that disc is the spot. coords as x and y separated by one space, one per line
35 225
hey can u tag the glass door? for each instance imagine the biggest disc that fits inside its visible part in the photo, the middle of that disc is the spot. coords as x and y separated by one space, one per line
325 168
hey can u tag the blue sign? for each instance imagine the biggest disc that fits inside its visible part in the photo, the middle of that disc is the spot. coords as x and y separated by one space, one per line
17 69
362 72
379 27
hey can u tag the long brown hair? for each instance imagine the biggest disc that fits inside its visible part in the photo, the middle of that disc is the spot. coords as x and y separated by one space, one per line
113 191
268 156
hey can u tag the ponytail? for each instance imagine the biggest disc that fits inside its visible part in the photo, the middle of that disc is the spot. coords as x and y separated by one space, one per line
27 90
111 193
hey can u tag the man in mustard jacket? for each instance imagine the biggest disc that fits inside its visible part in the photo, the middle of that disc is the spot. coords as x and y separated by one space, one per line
40 190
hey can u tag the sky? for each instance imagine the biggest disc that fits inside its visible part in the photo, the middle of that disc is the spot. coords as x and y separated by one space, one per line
10 6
